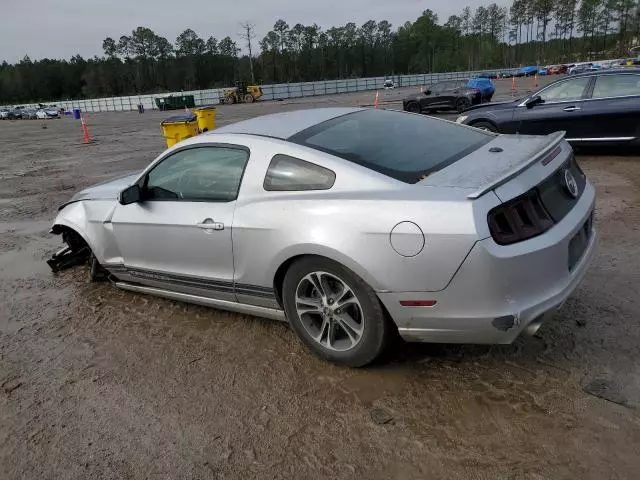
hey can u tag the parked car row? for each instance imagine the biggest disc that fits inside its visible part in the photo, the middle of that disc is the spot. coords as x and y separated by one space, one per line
594 107
560 69
27 113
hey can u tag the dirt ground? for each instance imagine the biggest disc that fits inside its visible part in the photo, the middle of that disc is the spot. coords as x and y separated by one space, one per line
101 383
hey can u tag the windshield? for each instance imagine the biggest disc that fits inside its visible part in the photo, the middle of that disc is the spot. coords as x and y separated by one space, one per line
400 145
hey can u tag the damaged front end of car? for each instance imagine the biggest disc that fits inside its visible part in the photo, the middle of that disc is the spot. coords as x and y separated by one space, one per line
76 252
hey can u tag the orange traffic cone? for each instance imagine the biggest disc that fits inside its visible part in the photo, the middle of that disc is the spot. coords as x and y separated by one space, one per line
535 81
377 100
514 90
85 130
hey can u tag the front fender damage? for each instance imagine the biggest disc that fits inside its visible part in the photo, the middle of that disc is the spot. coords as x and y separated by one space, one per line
76 252
73 222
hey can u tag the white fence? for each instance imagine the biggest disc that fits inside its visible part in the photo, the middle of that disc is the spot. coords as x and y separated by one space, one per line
271 92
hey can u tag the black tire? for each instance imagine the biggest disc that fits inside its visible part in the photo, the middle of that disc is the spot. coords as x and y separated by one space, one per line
413 107
462 104
485 126
376 327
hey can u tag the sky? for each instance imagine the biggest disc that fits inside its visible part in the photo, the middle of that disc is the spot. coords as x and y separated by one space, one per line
63 28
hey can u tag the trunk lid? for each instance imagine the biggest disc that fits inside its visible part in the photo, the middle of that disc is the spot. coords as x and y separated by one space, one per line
510 165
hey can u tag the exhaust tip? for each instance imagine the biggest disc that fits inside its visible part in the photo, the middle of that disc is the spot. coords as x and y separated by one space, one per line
534 326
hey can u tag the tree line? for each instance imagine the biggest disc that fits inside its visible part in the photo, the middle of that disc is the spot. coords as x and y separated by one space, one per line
536 32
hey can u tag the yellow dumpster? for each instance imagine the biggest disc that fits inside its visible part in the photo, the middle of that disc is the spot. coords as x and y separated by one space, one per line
206 118
179 127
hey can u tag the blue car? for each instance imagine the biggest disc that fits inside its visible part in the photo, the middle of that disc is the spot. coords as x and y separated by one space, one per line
485 85
527 71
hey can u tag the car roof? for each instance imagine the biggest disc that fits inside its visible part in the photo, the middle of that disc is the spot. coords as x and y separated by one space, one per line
608 71
285 124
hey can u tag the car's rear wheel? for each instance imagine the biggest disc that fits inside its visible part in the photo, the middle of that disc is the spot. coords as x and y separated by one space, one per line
413 107
462 104
488 126
334 312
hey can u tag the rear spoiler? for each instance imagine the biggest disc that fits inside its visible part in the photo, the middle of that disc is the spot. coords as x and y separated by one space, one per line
553 140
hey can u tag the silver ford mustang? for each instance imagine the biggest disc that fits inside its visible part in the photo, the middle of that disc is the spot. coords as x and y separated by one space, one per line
351 224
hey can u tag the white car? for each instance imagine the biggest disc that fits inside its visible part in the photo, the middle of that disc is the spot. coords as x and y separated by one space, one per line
389 85
45 113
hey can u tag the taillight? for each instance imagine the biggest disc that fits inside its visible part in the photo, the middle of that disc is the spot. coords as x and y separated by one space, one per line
474 90
519 219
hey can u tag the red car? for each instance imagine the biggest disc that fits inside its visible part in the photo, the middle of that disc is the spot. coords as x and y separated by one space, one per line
557 69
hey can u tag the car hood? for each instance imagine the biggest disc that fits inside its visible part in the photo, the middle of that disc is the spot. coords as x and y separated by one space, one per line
108 190
414 97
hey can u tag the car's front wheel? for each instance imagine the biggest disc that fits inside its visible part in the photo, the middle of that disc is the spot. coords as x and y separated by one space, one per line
334 312
488 126
462 104
413 107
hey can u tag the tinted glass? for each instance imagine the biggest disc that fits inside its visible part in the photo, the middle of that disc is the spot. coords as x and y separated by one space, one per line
400 145
198 174
565 91
292 174
616 86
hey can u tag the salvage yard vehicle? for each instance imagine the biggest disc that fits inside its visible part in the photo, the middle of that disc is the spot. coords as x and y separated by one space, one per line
48 112
29 114
352 224
597 107
452 94
4 113
527 71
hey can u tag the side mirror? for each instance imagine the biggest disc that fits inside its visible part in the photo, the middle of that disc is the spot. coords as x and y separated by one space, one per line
533 101
129 195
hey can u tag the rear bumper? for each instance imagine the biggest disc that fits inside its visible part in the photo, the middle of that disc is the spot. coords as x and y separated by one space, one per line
499 291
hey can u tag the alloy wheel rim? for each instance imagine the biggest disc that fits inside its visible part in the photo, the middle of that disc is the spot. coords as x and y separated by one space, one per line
329 311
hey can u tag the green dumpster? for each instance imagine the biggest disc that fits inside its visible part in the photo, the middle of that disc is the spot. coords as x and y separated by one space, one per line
175 102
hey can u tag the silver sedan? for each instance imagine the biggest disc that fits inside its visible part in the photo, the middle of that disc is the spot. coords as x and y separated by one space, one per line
351 224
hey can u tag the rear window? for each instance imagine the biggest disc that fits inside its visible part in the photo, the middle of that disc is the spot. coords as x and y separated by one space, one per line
400 145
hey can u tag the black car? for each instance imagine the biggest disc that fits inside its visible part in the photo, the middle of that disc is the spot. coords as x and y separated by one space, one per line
452 94
597 107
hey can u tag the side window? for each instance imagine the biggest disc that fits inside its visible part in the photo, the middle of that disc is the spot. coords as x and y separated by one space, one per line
565 91
292 174
198 174
616 86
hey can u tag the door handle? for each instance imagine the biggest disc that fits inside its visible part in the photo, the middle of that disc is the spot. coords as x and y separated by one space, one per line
571 109
209 224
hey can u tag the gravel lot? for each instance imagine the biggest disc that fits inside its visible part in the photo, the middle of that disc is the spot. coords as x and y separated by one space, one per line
99 383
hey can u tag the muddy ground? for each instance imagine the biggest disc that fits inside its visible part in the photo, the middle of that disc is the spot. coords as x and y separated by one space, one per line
99 383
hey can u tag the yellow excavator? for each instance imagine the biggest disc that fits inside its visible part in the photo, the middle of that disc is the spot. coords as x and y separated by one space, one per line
241 93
